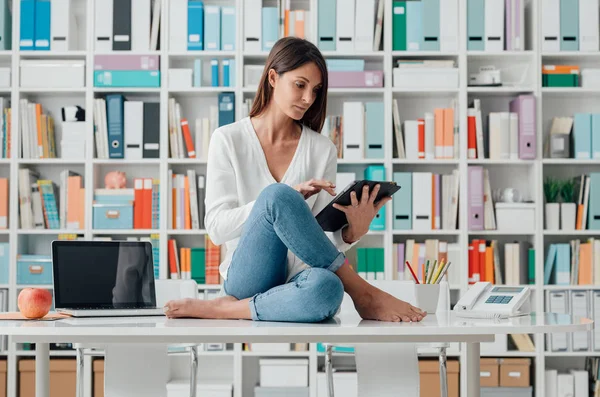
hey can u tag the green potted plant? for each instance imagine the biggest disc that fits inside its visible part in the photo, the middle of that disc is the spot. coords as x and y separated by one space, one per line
552 207
568 207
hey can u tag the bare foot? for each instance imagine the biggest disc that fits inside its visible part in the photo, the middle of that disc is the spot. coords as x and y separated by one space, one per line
225 307
379 305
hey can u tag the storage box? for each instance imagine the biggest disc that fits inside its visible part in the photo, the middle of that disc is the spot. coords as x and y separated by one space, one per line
98 378
5 77
507 391
62 378
364 79
515 216
113 215
489 370
425 78
34 269
282 391
180 79
181 388
430 378
3 391
52 73
283 372
514 372
590 78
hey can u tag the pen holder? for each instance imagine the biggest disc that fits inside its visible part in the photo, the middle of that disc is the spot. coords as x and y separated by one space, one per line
427 297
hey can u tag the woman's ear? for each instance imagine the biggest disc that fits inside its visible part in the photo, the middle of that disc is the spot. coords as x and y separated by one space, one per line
272 77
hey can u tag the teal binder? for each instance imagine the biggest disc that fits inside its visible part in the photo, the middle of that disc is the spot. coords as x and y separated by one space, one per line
596 136
212 28
376 173
431 25
399 26
270 27
414 25
402 201
582 135
569 25
594 202
228 28
127 78
375 130
326 13
475 25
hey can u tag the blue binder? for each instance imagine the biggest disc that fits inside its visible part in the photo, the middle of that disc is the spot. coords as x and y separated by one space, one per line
569 25
326 14
431 25
582 135
563 264
596 136
195 25
226 108
114 118
27 25
214 72
197 73
228 28
226 72
376 173
414 25
402 201
475 25
5 26
375 130
42 25
212 28
594 202
270 27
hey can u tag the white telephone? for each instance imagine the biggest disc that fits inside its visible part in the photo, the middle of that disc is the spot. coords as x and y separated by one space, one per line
485 300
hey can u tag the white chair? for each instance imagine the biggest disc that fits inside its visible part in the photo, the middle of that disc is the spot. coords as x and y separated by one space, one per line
403 290
166 290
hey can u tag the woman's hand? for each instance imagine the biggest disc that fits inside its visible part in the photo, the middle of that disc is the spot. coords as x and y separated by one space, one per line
314 186
360 214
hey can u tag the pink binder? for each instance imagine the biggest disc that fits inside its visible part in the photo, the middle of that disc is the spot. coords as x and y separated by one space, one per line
525 107
475 197
369 78
125 62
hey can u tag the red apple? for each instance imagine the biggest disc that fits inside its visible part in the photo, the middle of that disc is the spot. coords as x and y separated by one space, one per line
34 302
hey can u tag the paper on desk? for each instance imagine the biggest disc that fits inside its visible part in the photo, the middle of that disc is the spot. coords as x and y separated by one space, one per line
387 369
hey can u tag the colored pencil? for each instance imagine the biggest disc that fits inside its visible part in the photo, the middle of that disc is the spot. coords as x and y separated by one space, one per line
412 272
443 272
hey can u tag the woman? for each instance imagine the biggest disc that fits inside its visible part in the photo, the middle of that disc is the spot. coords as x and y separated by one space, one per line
268 175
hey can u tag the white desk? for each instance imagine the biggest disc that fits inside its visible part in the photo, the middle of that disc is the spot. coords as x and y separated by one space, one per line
443 327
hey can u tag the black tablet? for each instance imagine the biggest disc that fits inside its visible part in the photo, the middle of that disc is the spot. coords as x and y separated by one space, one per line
331 219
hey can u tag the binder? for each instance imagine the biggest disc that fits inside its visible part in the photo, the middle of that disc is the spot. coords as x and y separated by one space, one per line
431 25
253 25
226 108
596 316
327 23
448 25
494 25
228 28
226 73
270 27
476 25
140 25
582 135
558 303
151 132
63 27
525 108
569 25
122 25
5 25
414 25
422 200
563 264
594 203
27 25
345 25
212 28
579 307
114 118
588 25
134 129
596 135
375 130
364 25
214 71
376 173
550 20
103 15
178 25
42 25
354 133
196 30
399 26
402 201
475 198
515 25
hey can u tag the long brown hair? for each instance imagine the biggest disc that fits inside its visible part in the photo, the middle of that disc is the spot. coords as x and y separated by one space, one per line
287 54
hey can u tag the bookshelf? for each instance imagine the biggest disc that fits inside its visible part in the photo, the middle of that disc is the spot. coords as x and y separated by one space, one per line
242 365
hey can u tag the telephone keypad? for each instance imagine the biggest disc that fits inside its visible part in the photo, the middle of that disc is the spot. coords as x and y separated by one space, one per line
499 299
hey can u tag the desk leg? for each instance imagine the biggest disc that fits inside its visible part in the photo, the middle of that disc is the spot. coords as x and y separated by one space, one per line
42 370
473 369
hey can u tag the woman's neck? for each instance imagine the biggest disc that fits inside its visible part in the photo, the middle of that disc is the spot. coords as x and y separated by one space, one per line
274 126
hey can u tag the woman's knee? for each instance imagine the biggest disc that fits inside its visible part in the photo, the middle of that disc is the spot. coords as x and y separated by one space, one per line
279 193
325 291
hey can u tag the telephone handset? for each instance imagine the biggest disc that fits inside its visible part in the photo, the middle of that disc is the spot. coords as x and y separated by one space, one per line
485 300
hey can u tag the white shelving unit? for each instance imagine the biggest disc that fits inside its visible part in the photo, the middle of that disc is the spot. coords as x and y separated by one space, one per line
243 365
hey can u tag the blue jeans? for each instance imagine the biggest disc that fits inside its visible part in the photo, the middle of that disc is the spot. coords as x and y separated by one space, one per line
280 220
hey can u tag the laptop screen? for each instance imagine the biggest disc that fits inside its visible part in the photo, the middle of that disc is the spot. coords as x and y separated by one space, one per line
103 274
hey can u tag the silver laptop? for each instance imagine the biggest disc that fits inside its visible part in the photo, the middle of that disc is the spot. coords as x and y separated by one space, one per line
104 278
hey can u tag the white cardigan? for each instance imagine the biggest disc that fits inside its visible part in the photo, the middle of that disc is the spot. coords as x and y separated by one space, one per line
237 172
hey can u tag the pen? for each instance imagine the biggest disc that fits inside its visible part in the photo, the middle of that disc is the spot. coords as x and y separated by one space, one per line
443 272
412 272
